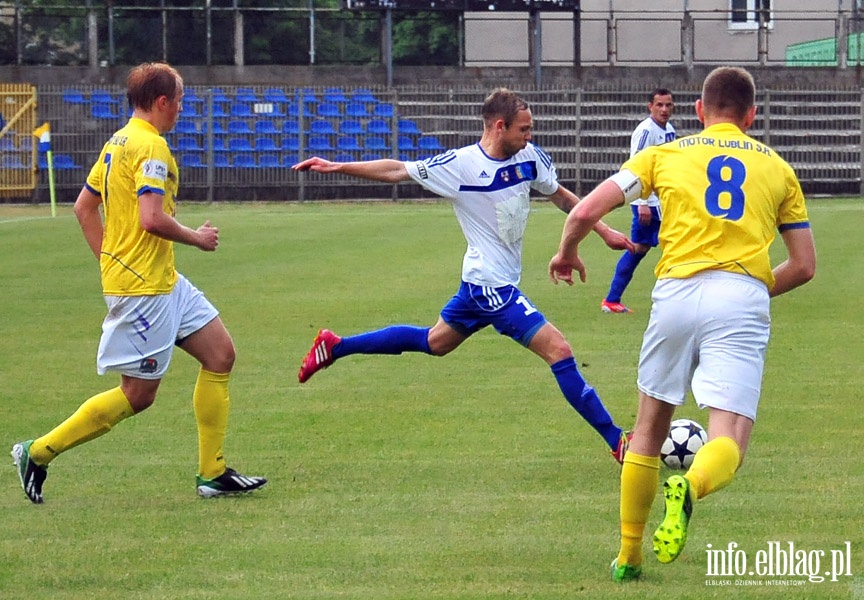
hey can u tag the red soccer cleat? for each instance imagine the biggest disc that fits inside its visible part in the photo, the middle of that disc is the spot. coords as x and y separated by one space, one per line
614 307
320 356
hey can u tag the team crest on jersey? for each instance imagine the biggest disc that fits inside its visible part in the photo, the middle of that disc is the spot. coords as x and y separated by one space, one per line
505 175
155 169
148 365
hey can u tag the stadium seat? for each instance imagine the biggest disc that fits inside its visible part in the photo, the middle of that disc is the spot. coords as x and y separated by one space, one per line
407 127
266 126
269 161
237 127
13 161
245 161
74 97
275 95
219 96
356 109
266 144
335 95
383 110
363 95
289 159
221 160
102 111
65 161
347 142
290 144
329 109
406 143
103 97
371 156
375 143
344 157
219 109
291 127
307 95
7 144
245 95
321 127
190 111
239 145
379 126
239 109
218 128
191 97
294 111
188 144
219 144
191 160
350 127
184 126
319 142
429 142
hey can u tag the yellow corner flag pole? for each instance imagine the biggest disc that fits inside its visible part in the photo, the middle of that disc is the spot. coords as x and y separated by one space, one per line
44 135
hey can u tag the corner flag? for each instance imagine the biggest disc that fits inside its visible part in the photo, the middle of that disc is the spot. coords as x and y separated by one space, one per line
44 134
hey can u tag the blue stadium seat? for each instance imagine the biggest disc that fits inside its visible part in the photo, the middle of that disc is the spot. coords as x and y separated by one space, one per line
379 126
291 143
306 95
294 111
103 97
102 111
275 95
239 109
74 97
219 109
344 157
291 127
268 161
329 109
219 144
191 97
266 144
350 127
245 95
319 142
218 128
363 95
219 96
266 126
371 156
188 144
65 161
383 110
7 144
221 160
406 143
184 126
429 142
375 142
356 109
191 160
239 145
13 161
407 127
245 161
347 142
334 94
189 111
237 127
321 127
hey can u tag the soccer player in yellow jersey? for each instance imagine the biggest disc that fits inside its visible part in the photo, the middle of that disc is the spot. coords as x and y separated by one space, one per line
151 307
723 196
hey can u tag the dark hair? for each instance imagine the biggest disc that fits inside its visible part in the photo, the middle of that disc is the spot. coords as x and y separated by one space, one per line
502 104
658 92
729 91
148 81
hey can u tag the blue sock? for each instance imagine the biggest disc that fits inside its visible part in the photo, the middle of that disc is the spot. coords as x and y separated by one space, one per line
395 339
623 274
585 400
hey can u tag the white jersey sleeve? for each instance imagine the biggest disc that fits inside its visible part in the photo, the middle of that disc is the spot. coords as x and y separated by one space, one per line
440 174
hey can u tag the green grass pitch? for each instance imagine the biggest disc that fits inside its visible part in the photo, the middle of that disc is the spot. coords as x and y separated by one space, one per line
411 477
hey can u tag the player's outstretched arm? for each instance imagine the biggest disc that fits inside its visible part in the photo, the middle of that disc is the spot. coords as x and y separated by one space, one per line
385 169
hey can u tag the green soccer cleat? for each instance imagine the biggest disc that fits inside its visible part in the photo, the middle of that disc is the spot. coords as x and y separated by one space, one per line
32 476
671 535
228 483
625 572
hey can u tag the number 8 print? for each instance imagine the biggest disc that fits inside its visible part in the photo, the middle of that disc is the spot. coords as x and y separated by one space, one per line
731 186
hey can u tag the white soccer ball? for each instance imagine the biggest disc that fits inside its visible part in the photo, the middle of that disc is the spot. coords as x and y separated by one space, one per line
684 440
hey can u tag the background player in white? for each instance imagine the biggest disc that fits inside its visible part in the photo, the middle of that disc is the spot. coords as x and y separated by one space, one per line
652 131
489 183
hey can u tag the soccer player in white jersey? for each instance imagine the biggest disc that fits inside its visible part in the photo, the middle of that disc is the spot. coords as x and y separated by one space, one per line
489 184
151 307
652 131
725 196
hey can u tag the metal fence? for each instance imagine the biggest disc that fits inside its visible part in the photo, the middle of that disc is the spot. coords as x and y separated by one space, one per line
239 143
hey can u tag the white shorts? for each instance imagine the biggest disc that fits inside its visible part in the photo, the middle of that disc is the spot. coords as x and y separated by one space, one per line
707 333
139 332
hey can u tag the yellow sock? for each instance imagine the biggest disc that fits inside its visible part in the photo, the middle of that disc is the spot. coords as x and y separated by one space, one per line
714 466
93 418
211 402
640 476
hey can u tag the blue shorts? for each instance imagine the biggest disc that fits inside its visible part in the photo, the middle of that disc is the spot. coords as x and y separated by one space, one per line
505 308
645 234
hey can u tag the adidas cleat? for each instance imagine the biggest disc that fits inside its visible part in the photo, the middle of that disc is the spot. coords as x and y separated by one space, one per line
228 483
